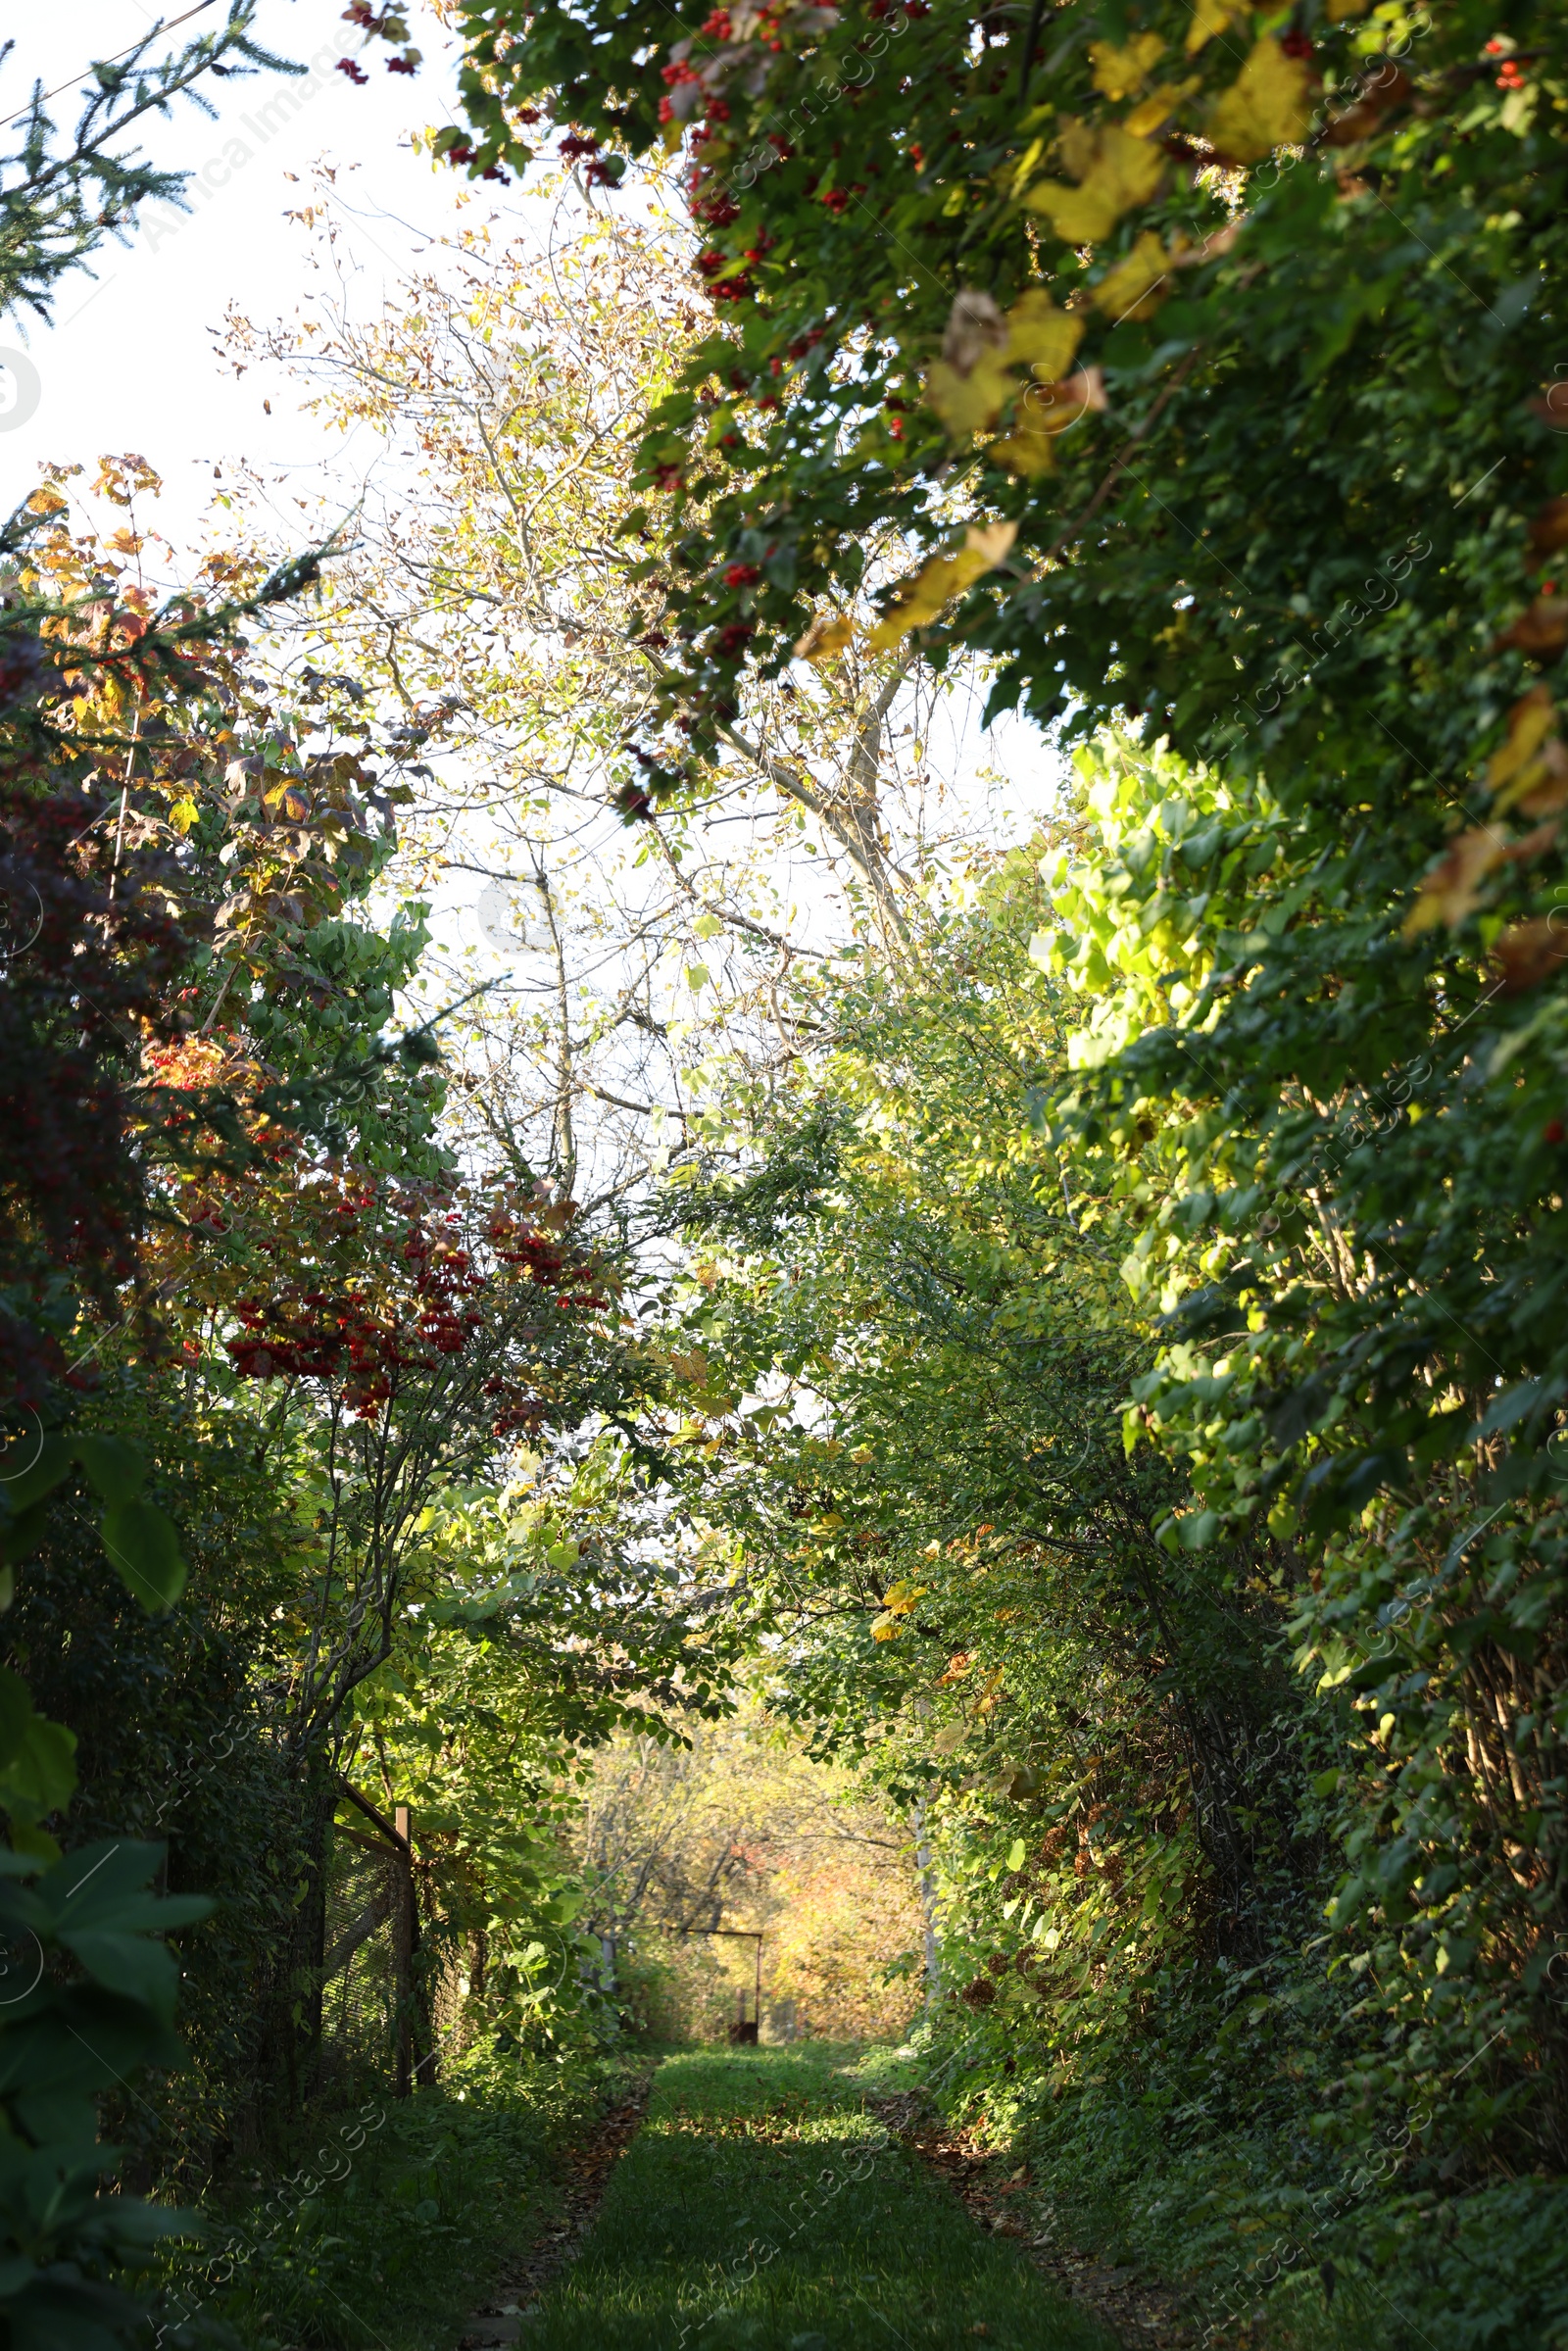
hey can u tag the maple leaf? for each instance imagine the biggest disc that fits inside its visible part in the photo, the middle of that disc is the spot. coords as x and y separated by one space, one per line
1531 951
1451 889
1155 109
968 400
1531 761
1042 336
1547 532
1131 289
1269 105
1210 17
1122 72
975 330
1384 88
969 386
919 600
1115 172
828 634
1046 410
1540 630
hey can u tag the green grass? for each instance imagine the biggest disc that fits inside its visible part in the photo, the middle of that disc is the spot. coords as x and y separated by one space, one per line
397 2250
764 2205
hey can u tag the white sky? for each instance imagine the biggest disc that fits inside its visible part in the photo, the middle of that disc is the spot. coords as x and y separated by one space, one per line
129 363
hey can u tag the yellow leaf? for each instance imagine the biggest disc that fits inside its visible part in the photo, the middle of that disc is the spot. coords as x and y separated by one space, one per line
1131 289
968 400
1147 118
1529 722
828 635
1268 105
1119 172
1208 18
1046 410
1043 336
1013 178
182 816
922 598
1119 72
1450 890
1339 10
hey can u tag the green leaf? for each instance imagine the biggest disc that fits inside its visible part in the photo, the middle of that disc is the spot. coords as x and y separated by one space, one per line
24 1534
115 1469
131 1965
1015 1855
141 1540
41 1776
43 1469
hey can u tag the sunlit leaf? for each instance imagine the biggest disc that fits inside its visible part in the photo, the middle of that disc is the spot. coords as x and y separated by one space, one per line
919 600
1269 105
1118 172
144 1546
1120 72
1132 290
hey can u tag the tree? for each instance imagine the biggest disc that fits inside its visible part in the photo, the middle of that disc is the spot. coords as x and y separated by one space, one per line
58 205
1197 352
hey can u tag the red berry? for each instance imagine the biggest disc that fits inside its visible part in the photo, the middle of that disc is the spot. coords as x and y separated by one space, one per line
1555 1131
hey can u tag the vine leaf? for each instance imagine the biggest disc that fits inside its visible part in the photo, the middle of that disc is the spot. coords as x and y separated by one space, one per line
1115 172
1122 73
1269 105
919 600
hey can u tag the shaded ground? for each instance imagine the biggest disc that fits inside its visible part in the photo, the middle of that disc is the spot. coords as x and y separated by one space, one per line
766 2204
585 2175
1140 2313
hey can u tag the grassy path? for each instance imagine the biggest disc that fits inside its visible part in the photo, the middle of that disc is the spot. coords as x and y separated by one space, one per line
763 2205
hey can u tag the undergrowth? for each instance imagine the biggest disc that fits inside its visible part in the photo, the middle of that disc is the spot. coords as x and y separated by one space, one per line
386 2224
1212 2155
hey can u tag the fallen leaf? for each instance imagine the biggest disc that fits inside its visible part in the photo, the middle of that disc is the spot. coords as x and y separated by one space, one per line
1531 951
1131 289
1269 105
919 600
828 634
1119 172
1122 72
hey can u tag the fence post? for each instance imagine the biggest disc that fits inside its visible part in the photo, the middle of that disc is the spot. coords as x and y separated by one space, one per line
405 1935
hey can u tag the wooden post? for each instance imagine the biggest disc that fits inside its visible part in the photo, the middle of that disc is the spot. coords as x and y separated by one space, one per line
405 1931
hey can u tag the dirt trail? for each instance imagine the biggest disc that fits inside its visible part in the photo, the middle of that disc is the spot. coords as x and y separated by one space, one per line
588 2167
1140 2313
